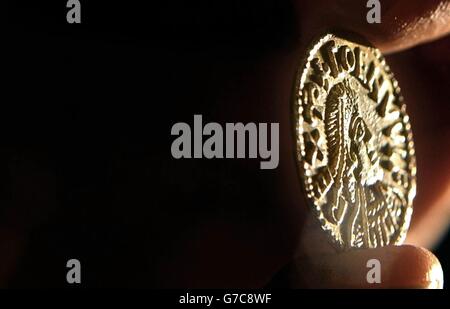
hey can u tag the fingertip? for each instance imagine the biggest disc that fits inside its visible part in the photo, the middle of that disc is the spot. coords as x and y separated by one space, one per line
409 23
403 24
388 267
416 267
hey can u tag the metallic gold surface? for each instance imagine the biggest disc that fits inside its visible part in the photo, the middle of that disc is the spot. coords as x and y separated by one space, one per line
355 151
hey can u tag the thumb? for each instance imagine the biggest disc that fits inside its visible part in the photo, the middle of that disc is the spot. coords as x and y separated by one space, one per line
399 267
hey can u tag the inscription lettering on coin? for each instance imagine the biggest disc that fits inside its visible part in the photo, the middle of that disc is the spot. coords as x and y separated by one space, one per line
354 144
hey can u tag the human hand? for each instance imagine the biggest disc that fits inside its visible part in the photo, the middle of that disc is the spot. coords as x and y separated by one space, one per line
404 24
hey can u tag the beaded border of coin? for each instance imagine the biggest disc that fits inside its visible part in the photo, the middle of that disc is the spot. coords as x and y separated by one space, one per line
298 108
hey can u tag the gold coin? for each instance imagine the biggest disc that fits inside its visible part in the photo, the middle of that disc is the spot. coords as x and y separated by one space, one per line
354 145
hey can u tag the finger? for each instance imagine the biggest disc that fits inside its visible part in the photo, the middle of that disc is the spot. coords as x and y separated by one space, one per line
400 267
404 23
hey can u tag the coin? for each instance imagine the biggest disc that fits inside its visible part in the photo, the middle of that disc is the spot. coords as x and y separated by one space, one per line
354 145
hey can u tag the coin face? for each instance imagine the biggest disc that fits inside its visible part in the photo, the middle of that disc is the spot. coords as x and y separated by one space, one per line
354 144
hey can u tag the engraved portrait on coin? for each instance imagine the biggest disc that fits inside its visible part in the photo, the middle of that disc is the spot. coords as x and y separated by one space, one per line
354 144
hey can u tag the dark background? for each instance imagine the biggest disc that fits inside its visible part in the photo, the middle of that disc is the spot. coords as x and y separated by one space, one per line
86 117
